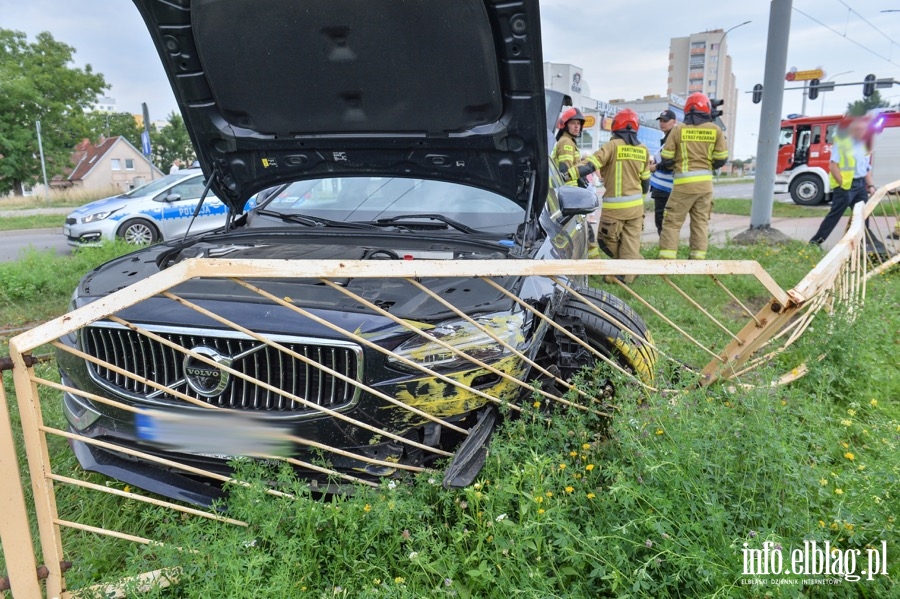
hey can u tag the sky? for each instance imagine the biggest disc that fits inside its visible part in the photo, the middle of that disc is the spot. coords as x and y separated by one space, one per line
622 45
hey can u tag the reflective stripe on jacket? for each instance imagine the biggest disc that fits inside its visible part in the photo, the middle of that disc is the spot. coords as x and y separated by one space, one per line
565 156
694 148
661 179
623 168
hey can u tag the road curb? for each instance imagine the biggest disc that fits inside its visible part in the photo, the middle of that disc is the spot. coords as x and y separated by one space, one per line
21 232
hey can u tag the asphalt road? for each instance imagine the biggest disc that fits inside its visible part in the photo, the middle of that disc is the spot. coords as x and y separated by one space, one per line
734 190
12 243
745 191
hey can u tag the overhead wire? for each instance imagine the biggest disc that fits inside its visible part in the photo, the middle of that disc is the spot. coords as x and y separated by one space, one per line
849 39
869 23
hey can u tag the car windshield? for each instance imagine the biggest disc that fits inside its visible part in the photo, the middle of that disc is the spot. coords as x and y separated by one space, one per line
370 199
155 186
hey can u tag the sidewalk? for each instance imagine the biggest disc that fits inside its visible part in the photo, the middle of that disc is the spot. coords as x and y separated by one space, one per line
724 227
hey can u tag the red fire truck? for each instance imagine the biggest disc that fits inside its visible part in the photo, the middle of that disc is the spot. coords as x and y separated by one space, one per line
805 151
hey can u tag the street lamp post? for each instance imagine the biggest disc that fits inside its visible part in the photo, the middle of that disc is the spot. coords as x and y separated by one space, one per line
831 78
721 64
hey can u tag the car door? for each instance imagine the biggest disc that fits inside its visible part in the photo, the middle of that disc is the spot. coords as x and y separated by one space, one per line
181 201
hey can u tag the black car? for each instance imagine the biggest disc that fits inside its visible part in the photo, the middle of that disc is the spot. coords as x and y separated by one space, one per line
372 131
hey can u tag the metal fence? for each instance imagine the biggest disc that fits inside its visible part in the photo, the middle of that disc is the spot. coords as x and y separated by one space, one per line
140 368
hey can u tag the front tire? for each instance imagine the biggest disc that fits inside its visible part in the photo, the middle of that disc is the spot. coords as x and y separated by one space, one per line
621 336
138 231
808 190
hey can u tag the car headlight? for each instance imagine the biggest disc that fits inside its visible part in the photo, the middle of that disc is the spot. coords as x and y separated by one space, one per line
469 339
92 218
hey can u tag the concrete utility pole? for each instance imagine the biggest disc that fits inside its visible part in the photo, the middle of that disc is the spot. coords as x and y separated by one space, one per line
770 125
37 125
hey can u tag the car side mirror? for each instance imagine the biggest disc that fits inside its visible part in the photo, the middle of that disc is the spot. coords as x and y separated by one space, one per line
173 197
576 200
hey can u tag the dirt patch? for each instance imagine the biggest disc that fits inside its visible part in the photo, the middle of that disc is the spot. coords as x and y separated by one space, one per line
733 311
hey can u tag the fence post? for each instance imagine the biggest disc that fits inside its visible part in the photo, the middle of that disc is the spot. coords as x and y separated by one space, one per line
29 403
15 534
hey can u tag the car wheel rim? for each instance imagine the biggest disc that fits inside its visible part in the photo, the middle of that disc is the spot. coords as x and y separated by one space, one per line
807 191
138 234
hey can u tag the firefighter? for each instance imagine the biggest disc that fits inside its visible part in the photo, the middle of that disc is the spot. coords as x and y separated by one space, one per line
565 154
692 151
624 164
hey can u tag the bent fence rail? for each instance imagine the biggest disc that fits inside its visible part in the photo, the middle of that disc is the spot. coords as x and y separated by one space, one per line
493 365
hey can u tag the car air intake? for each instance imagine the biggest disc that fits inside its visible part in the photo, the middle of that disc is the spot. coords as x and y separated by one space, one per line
164 365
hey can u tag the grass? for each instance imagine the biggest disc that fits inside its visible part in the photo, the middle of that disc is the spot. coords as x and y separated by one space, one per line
741 207
659 506
786 264
657 502
38 286
888 207
58 199
37 221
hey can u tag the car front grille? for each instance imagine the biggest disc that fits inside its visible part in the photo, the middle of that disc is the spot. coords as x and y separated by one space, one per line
154 361
71 221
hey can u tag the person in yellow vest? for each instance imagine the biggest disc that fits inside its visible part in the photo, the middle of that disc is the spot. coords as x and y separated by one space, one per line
693 150
851 174
624 164
565 154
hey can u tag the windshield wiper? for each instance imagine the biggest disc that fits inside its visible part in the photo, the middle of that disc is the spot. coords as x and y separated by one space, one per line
438 217
310 221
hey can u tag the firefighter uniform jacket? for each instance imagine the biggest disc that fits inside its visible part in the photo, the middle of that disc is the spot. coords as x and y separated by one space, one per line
695 148
565 156
624 169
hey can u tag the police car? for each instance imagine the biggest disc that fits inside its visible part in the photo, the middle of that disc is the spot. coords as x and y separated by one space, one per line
158 211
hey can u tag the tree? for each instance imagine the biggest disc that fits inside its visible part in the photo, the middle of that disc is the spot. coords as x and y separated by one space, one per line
94 125
861 107
39 83
737 164
172 142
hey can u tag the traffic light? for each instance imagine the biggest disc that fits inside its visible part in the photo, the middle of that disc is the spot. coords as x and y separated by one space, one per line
869 85
757 93
813 89
714 105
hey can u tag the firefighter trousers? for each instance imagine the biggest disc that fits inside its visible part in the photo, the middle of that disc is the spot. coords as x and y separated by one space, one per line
622 237
697 204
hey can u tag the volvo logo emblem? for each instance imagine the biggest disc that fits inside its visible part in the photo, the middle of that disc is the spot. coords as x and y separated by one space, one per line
207 380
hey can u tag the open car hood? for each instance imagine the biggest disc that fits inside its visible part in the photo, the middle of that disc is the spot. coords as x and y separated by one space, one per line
284 90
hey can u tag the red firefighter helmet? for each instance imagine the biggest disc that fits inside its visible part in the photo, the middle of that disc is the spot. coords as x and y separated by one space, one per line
626 119
698 102
569 114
